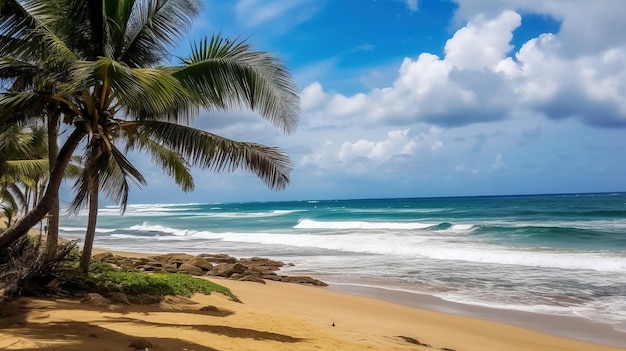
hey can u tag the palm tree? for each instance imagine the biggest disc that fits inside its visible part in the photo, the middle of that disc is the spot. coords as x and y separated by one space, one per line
103 65
23 165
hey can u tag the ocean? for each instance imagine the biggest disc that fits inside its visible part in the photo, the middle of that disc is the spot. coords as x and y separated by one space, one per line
562 255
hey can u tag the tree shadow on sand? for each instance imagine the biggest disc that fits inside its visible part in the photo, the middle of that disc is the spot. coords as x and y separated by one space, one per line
80 336
231 332
75 336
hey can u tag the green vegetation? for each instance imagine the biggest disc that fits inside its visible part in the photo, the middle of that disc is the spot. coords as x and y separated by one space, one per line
137 283
26 270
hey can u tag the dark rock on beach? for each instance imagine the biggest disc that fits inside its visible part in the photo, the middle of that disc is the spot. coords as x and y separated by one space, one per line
255 269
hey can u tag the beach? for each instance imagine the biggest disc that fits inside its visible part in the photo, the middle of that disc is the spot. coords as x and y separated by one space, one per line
485 273
271 316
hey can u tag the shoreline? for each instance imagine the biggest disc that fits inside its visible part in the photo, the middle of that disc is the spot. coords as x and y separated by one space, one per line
277 315
577 328
574 328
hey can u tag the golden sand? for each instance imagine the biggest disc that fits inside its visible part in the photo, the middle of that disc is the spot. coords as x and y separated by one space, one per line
275 316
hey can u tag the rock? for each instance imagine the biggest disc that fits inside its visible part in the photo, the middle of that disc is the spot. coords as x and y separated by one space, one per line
190 269
201 263
145 299
273 277
140 343
119 297
156 266
414 341
210 308
103 256
178 300
180 257
251 278
219 258
94 299
228 269
304 280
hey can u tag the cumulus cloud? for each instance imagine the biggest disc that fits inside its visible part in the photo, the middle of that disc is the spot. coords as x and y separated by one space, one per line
587 27
462 88
360 155
480 80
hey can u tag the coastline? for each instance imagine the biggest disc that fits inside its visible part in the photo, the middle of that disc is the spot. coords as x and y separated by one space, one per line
289 316
561 326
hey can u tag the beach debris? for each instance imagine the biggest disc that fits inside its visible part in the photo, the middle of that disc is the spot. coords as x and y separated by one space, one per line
140 344
332 325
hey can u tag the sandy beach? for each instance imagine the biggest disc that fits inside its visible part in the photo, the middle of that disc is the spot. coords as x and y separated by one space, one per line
274 316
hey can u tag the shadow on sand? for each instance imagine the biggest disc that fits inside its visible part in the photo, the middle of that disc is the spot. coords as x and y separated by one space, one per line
75 335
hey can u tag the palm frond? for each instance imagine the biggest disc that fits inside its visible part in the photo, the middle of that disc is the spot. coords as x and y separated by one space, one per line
113 171
114 182
210 151
139 92
227 74
20 105
152 27
13 195
170 161
20 170
27 29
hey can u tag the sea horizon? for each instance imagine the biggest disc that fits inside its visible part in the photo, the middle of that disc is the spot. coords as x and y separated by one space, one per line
107 205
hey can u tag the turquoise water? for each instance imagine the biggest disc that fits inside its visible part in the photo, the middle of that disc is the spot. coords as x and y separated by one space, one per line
554 254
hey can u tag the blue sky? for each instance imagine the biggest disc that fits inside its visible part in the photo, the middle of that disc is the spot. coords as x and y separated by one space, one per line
406 98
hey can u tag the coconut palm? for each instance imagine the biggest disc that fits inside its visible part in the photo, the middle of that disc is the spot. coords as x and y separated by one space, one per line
23 165
104 66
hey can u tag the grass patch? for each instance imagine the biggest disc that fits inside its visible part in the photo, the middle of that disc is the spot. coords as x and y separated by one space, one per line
136 283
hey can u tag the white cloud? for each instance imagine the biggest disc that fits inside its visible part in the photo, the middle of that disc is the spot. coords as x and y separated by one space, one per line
313 96
498 164
586 26
253 13
452 91
412 4
361 155
482 43
480 80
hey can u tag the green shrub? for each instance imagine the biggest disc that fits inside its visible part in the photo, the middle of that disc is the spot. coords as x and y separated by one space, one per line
135 283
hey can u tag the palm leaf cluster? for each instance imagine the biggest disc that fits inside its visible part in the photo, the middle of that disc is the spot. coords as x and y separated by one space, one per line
23 167
102 67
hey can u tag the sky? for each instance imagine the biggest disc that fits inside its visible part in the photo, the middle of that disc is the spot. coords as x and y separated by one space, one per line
427 98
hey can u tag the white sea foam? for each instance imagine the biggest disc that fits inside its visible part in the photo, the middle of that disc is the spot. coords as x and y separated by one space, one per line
83 229
462 227
272 213
427 247
311 224
145 227
126 236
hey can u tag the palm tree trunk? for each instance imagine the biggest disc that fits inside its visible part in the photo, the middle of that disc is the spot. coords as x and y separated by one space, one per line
90 234
21 227
52 238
